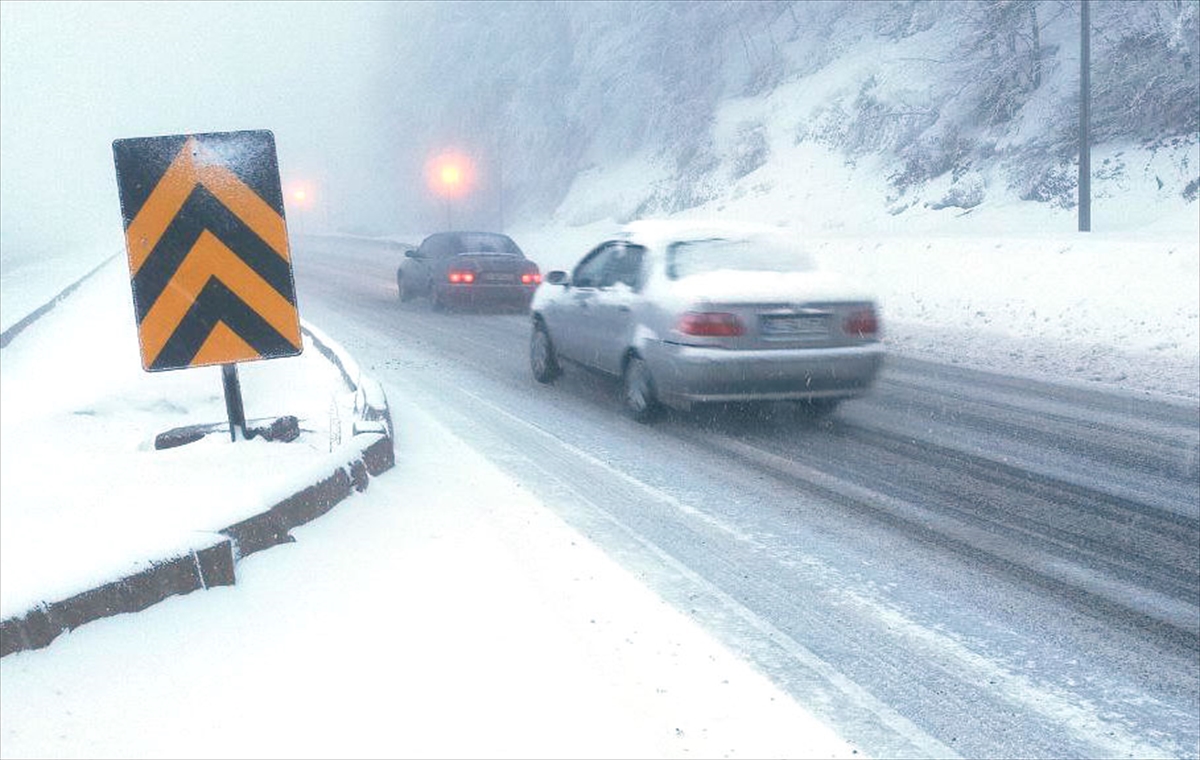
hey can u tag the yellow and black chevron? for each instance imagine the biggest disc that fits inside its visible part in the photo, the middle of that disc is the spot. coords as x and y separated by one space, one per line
208 249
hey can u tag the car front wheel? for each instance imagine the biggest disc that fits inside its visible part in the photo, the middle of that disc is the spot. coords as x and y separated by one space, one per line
406 292
638 391
542 358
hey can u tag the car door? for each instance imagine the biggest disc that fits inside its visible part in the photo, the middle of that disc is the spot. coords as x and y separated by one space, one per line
422 262
612 309
575 335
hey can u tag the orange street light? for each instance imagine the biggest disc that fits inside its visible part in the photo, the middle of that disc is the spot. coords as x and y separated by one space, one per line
449 174
300 194
300 202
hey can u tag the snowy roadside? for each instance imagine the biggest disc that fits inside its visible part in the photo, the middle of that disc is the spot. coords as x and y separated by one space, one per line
493 630
88 500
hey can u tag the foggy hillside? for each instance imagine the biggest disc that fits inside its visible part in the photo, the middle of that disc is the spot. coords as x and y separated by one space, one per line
854 113
951 101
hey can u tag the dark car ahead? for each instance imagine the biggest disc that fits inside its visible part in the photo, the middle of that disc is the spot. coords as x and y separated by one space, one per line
461 268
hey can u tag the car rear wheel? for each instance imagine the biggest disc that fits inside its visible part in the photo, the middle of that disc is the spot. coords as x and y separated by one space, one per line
818 408
542 358
637 388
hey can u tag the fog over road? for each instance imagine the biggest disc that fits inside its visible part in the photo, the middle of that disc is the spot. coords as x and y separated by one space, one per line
996 565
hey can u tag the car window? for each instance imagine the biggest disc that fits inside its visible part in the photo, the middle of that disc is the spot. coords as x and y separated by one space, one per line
689 257
625 266
589 273
454 243
434 245
472 242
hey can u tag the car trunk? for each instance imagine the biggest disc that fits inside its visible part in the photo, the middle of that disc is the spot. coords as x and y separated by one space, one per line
492 268
789 325
776 310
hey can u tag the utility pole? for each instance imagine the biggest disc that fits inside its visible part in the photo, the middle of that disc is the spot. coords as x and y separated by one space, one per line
500 186
1085 108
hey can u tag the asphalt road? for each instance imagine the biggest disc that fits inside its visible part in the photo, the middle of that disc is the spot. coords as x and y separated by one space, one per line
961 563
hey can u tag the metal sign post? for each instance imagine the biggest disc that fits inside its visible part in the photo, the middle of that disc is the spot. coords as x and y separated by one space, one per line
233 402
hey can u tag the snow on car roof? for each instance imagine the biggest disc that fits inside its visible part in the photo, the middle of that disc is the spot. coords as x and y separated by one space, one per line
657 231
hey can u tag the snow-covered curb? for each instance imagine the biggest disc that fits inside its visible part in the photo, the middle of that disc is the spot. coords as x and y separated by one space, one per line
212 560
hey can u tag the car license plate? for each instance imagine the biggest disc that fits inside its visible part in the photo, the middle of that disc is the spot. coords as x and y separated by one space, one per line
795 326
498 277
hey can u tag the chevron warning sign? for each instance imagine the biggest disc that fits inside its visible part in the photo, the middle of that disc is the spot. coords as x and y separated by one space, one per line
208 249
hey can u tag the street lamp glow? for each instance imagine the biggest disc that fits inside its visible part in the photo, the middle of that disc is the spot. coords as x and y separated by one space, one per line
450 174
299 194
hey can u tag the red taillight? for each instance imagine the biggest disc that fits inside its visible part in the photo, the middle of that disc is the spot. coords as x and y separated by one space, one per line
531 278
462 278
711 323
862 323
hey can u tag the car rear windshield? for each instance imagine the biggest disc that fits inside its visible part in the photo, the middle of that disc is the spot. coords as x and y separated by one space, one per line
689 257
450 244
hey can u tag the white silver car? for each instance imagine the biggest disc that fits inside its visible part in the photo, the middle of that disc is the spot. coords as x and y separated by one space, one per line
688 313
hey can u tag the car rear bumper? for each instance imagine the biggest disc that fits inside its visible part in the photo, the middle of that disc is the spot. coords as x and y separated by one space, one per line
690 374
487 294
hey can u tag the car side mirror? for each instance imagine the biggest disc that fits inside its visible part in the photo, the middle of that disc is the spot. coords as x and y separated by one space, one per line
557 277
411 253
